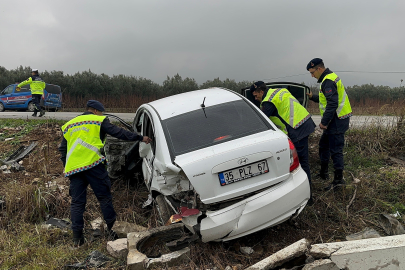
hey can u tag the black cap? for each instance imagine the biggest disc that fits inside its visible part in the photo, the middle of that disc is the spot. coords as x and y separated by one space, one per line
95 105
256 85
314 62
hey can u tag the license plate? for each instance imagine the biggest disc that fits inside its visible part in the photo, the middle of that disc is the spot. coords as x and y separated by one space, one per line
244 172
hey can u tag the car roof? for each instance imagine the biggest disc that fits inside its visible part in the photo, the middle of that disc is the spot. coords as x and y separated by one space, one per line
190 101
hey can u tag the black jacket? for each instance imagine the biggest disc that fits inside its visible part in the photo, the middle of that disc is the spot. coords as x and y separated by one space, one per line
330 117
106 128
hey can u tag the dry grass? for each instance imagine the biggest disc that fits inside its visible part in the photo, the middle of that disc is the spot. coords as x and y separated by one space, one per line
24 245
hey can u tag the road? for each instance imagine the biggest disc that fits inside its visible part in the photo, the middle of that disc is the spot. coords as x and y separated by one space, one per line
355 121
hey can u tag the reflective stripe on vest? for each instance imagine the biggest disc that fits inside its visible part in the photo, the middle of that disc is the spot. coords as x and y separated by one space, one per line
295 116
344 109
83 138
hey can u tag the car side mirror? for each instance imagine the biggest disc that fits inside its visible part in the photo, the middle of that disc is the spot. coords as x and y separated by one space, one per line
144 149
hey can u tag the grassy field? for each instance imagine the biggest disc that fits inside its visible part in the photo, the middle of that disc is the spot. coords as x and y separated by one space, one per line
24 244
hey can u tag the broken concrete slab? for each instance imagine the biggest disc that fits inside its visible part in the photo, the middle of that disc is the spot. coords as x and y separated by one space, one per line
391 225
139 241
323 264
246 250
364 234
170 259
374 253
97 223
118 248
295 250
122 228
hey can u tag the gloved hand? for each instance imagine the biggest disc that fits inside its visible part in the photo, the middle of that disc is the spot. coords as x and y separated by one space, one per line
18 89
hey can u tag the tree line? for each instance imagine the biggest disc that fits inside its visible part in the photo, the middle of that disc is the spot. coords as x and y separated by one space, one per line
87 84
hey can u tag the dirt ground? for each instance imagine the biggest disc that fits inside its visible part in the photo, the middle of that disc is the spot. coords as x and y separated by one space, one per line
326 221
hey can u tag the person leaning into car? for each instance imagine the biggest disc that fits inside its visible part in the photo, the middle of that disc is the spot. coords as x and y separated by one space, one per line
37 86
288 115
335 111
83 138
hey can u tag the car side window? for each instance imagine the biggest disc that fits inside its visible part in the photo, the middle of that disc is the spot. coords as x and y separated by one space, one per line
138 123
148 130
23 89
8 90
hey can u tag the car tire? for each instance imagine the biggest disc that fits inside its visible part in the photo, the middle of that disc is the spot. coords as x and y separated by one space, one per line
2 108
31 106
163 208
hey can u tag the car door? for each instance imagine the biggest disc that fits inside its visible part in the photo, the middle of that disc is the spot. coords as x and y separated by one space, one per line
20 97
6 95
144 126
299 91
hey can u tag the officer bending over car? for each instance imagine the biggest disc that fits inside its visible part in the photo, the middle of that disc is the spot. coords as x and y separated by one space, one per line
296 123
37 86
336 112
83 138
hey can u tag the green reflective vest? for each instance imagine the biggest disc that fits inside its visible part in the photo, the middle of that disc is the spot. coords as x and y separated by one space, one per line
83 143
344 109
37 86
288 107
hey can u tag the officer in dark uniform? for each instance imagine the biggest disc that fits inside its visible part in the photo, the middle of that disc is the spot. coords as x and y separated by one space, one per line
84 164
336 112
299 134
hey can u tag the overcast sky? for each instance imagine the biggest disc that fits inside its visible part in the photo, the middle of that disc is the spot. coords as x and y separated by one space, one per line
205 39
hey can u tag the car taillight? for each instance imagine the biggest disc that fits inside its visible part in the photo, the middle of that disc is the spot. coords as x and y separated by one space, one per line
294 162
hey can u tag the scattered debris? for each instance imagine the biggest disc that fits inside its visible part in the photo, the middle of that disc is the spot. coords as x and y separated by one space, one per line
95 259
97 223
324 264
391 225
12 162
246 250
118 248
364 234
60 223
122 228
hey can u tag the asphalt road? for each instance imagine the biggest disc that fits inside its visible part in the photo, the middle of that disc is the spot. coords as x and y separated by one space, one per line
355 121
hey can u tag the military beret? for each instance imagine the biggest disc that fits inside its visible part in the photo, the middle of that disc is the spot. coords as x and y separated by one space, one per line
95 105
314 62
256 85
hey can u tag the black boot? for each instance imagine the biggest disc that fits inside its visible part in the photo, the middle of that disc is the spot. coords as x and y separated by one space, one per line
34 114
323 173
78 238
338 181
41 112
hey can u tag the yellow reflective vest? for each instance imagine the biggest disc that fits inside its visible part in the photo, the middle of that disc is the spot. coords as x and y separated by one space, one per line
288 107
83 143
37 85
344 109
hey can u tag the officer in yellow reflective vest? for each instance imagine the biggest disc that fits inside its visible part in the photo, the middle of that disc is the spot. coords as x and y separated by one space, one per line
336 111
285 111
37 86
83 138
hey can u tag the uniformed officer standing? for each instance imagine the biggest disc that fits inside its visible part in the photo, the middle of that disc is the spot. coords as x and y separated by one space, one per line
37 86
285 111
336 112
83 138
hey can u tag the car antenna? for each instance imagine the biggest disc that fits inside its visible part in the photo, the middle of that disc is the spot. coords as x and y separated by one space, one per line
203 107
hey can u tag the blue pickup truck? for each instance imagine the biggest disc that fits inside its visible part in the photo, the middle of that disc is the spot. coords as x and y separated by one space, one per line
11 99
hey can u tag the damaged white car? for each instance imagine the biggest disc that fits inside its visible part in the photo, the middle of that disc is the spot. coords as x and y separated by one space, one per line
218 164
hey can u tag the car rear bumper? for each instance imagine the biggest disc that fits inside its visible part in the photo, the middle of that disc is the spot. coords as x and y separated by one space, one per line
258 212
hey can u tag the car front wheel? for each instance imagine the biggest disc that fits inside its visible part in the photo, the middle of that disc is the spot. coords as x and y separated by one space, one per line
31 106
164 209
2 107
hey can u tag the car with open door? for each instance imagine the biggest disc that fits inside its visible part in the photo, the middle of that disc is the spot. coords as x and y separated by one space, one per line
218 164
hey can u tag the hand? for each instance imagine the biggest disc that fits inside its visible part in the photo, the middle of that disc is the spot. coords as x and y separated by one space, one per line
18 89
322 126
309 95
146 139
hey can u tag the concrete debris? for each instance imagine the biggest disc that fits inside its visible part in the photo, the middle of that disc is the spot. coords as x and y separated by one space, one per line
324 251
4 167
287 254
246 250
170 259
364 234
138 241
228 267
324 264
118 248
95 259
97 223
122 228
391 225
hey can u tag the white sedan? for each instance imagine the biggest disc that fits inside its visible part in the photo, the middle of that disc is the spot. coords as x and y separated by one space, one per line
218 164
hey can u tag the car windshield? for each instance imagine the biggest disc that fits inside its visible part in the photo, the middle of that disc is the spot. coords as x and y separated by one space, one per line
213 125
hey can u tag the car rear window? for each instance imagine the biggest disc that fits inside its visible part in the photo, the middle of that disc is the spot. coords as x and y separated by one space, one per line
52 89
213 125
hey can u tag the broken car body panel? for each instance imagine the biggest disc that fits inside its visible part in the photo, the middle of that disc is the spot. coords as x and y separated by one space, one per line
214 151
